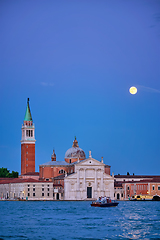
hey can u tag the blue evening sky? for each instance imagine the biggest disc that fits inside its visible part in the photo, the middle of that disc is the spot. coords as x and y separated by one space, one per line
76 60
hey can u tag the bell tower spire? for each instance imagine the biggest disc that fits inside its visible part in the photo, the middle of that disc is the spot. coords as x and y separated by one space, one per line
28 116
28 143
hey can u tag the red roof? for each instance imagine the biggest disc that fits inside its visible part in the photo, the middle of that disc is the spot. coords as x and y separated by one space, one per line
31 174
144 181
20 180
137 176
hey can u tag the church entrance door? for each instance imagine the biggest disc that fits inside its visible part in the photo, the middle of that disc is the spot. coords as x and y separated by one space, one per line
57 196
89 192
117 196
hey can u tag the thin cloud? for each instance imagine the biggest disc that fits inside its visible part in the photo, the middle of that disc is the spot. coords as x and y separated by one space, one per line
157 17
148 89
47 84
3 146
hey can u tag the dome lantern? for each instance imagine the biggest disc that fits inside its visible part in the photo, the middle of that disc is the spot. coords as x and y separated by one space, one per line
74 153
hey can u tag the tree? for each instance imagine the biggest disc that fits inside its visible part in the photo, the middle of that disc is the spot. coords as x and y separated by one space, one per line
14 174
5 173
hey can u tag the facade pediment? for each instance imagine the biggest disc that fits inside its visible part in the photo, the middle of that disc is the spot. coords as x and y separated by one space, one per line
71 176
90 162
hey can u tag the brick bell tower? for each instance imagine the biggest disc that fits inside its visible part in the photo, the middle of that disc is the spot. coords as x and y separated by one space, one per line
28 143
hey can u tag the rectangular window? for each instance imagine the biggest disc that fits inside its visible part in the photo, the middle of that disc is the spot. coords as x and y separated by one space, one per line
128 187
53 194
48 194
153 187
42 194
48 185
34 194
28 189
121 194
28 194
33 189
158 188
27 133
33 185
28 185
31 133
48 189
42 189
42 185
61 194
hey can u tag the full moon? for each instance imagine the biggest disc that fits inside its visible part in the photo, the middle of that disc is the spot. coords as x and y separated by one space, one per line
133 90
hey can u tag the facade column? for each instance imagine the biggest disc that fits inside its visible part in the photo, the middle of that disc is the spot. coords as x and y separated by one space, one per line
102 182
84 184
95 187
78 185
78 179
95 179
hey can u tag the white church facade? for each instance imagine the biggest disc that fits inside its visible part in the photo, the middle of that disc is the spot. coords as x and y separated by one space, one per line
89 181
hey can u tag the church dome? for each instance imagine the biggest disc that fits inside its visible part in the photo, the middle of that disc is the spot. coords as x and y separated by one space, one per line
75 151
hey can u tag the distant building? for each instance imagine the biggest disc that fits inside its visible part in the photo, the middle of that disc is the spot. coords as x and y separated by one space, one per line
127 186
29 189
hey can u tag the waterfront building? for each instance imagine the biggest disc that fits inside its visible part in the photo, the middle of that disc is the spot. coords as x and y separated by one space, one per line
118 191
132 185
28 189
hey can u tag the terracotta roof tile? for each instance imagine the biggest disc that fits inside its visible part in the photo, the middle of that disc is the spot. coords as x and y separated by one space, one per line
21 180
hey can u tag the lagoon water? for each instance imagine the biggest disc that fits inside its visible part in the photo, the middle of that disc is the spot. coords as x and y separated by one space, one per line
55 220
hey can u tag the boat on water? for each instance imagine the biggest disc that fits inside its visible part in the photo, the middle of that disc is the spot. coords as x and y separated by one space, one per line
104 202
141 198
145 198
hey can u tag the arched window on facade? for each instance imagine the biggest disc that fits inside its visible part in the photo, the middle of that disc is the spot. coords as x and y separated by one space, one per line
61 171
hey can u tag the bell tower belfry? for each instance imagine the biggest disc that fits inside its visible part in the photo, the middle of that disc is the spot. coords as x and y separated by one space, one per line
28 143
